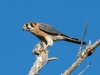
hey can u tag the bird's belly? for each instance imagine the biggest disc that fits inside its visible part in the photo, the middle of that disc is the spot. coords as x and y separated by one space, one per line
46 39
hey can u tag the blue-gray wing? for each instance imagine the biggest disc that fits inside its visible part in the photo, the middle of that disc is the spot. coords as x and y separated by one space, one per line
48 29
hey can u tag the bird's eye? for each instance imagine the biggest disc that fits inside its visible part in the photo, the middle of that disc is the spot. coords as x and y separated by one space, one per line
26 25
31 25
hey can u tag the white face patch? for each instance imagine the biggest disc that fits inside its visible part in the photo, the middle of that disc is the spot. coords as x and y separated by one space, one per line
30 27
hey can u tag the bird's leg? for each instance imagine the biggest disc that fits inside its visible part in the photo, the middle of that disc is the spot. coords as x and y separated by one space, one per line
45 46
42 48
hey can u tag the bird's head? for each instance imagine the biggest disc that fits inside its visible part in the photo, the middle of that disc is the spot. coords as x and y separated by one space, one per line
29 26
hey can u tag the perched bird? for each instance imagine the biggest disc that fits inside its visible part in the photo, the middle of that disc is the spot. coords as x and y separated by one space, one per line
47 34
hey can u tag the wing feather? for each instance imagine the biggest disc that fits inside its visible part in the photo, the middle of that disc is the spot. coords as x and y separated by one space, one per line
48 29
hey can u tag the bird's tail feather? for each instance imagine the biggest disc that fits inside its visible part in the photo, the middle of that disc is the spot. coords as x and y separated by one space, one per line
73 40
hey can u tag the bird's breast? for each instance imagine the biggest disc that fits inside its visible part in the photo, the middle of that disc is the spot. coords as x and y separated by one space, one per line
40 34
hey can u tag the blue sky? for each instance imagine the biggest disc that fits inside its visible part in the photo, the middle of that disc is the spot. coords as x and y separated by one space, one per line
67 16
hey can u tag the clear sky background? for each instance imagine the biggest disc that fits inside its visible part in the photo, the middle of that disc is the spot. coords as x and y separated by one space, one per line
67 16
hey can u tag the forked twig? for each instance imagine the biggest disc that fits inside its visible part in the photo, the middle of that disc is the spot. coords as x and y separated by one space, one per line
85 53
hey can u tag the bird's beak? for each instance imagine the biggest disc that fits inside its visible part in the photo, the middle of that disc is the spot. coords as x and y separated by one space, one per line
24 27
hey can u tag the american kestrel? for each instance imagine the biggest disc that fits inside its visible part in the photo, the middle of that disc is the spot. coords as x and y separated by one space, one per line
47 34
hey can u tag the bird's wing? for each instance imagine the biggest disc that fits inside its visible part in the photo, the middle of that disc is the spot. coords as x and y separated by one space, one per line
57 35
48 29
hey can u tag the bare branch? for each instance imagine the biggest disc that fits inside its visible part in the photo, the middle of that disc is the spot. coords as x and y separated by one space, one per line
80 49
53 58
85 68
85 53
42 59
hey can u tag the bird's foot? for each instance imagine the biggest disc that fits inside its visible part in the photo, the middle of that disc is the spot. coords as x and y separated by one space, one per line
44 48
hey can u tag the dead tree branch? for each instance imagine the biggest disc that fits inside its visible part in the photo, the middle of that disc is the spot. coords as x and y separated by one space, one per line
85 53
42 59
